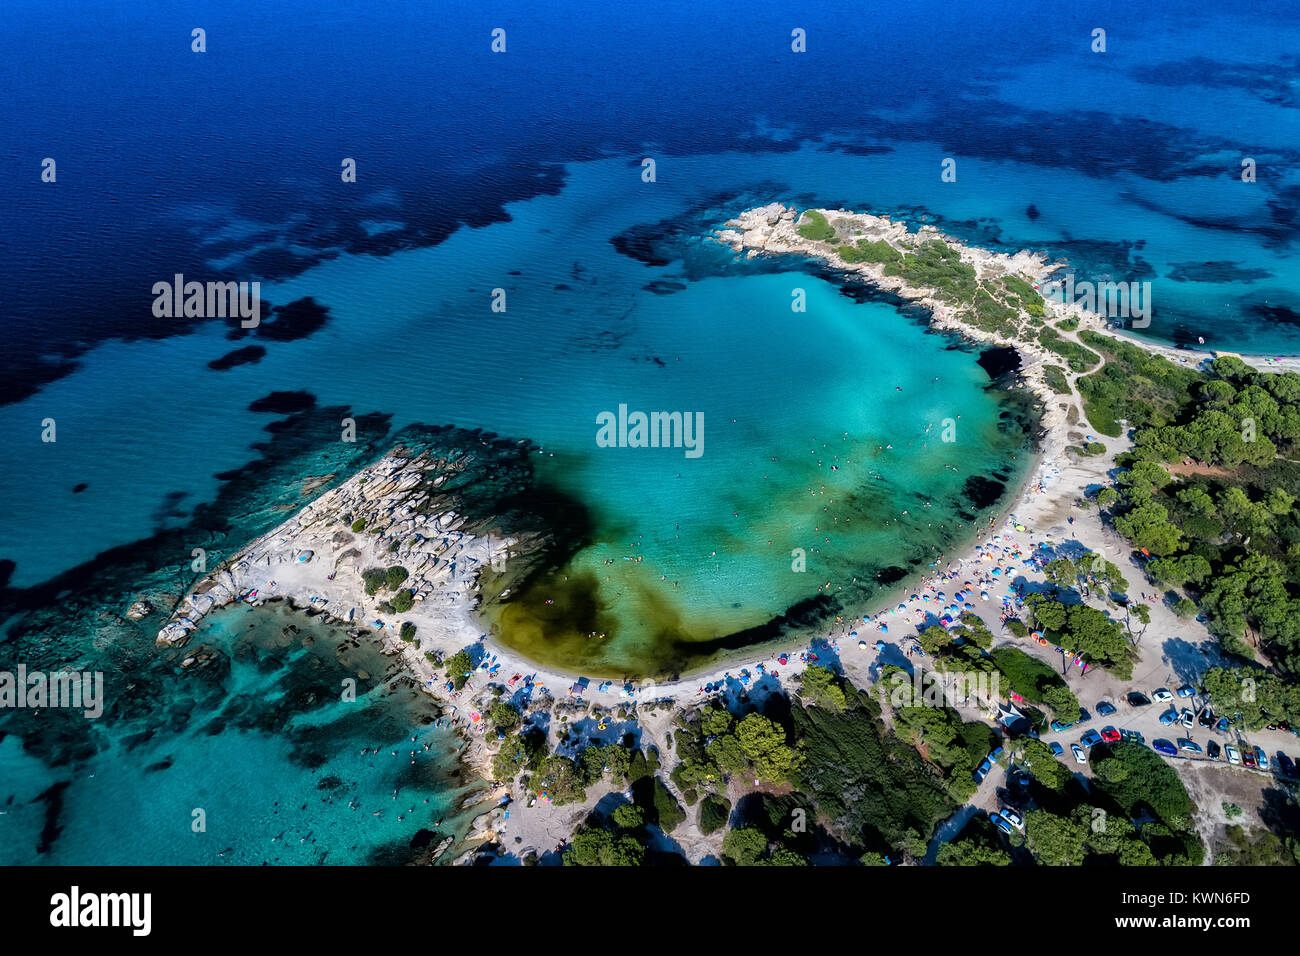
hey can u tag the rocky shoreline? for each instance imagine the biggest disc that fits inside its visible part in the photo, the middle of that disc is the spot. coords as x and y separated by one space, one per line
391 515
384 516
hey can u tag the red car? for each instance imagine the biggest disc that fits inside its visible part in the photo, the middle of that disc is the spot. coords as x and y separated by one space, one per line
1247 757
1110 735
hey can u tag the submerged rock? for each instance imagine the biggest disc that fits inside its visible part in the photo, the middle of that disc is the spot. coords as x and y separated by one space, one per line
140 610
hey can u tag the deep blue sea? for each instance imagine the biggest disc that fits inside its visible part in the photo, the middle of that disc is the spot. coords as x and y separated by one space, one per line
522 171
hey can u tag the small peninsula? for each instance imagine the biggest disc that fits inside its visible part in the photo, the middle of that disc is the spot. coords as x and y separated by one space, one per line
1148 541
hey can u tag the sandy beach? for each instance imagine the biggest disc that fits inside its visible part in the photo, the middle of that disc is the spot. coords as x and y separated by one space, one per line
315 559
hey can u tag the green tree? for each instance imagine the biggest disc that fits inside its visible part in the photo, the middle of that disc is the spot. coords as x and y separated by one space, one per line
1055 840
628 816
596 847
969 852
459 667
764 745
743 846
503 717
1043 765
560 778
820 687
511 758
715 811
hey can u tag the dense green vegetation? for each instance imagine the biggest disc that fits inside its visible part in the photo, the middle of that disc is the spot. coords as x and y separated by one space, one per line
874 791
1055 378
938 265
815 227
1133 385
820 687
1036 682
503 717
715 744
1023 295
1227 532
869 250
1078 358
1251 696
1257 847
714 813
459 667
978 844
1086 631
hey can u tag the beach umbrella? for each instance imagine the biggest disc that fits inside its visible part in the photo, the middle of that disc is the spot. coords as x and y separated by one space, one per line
862 645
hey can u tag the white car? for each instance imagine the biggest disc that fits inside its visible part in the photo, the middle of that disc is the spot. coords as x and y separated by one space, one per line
1079 756
1161 695
1231 753
1015 819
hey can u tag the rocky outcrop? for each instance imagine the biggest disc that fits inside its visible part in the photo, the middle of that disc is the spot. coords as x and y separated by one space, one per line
387 515
774 230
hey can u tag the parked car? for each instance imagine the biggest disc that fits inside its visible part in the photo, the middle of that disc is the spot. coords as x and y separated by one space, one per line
1021 778
1261 758
1161 695
1187 690
1247 757
1014 818
1057 749
1169 716
993 757
1285 765
1090 739
1084 716
1230 752
1059 725
1000 822
1186 719
1137 699
1110 735
1132 735
1207 718
1189 745
1212 750
1165 747
1105 708
1079 756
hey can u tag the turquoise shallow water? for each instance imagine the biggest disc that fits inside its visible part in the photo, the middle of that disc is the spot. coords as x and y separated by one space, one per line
255 759
799 409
